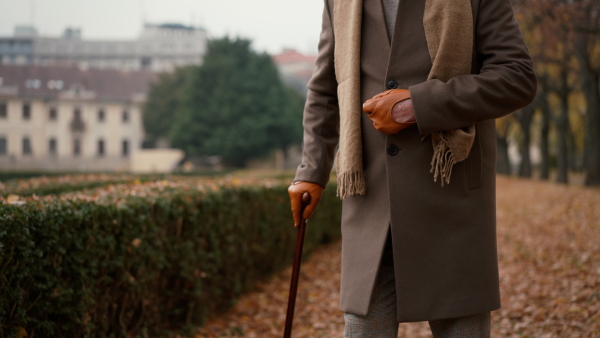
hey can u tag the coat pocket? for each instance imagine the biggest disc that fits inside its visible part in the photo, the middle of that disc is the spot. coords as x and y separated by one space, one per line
474 171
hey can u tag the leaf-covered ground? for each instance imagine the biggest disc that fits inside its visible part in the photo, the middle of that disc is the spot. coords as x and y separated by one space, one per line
549 256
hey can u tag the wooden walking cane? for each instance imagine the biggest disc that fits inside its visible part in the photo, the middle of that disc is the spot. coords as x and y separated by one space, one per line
289 318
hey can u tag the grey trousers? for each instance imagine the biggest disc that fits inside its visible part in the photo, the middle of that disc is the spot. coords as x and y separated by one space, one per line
381 320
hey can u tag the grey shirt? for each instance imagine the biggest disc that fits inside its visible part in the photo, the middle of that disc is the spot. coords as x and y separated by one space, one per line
390 9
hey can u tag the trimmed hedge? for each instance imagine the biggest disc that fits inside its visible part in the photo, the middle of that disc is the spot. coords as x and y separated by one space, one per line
60 188
145 266
60 184
57 184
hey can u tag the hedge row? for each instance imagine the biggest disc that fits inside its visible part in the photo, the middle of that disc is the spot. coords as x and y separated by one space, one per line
57 189
56 185
145 266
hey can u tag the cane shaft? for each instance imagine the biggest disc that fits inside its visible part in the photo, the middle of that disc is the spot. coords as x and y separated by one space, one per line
289 319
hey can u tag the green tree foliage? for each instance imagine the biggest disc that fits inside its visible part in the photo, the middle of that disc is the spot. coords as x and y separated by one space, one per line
164 98
235 106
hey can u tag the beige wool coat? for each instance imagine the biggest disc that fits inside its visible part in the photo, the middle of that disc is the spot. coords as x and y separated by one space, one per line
444 238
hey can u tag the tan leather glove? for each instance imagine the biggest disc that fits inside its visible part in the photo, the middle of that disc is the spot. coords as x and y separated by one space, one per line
295 191
388 116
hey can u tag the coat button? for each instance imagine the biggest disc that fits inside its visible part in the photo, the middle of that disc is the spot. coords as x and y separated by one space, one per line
393 150
391 84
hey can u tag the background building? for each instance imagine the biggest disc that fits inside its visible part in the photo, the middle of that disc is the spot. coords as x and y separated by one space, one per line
159 48
66 118
295 68
71 104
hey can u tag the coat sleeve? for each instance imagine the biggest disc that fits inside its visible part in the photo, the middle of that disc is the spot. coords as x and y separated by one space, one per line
321 112
505 82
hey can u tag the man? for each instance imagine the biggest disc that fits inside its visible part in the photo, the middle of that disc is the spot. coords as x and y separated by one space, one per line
416 170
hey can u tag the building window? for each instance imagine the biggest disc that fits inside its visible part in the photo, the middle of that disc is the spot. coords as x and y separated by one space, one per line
77 114
100 147
125 148
76 147
52 150
3 146
146 63
26 111
3 110
26 146
125 116
101 115
53 114
77 124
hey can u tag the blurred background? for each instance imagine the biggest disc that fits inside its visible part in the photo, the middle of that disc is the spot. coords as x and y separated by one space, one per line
186 85
112 85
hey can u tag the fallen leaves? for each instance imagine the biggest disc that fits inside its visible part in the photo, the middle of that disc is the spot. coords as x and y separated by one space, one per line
14 199
548 237
549 258
262 313
548 246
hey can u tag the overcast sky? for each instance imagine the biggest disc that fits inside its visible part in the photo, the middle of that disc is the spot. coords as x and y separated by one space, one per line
271 24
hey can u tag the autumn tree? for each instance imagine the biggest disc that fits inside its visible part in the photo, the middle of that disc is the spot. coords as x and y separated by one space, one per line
525 117
569 41
546 115
503 126
585 24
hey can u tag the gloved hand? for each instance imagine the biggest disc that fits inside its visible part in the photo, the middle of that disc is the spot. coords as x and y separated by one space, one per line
391 111
295 191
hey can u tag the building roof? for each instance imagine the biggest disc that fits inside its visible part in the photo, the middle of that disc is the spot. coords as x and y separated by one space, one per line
296 68
55 82
171 25
290 56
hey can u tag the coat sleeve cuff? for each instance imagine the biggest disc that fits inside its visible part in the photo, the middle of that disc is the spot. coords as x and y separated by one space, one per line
306 174
420 100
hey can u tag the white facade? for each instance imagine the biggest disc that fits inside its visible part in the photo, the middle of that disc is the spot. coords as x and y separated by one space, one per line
65 143
69 126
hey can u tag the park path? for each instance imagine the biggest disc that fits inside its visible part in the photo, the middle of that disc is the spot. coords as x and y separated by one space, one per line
549 258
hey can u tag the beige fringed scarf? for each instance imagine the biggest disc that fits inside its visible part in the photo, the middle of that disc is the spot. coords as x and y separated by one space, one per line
449 32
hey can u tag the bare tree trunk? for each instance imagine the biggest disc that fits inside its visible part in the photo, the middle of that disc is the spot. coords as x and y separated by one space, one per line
562 126
591 89
524 117
572 152
503 161
592 169
544 137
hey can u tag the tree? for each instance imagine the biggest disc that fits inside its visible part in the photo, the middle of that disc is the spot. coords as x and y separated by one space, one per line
576 25
585 22
563 91
235 106
162 105
503 126
524 117
550 41
544 129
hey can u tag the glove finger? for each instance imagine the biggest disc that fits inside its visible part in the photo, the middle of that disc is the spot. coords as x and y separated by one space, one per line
295 203
369 106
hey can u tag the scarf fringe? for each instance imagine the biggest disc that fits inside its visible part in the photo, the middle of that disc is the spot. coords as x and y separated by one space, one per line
350 183
442 161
